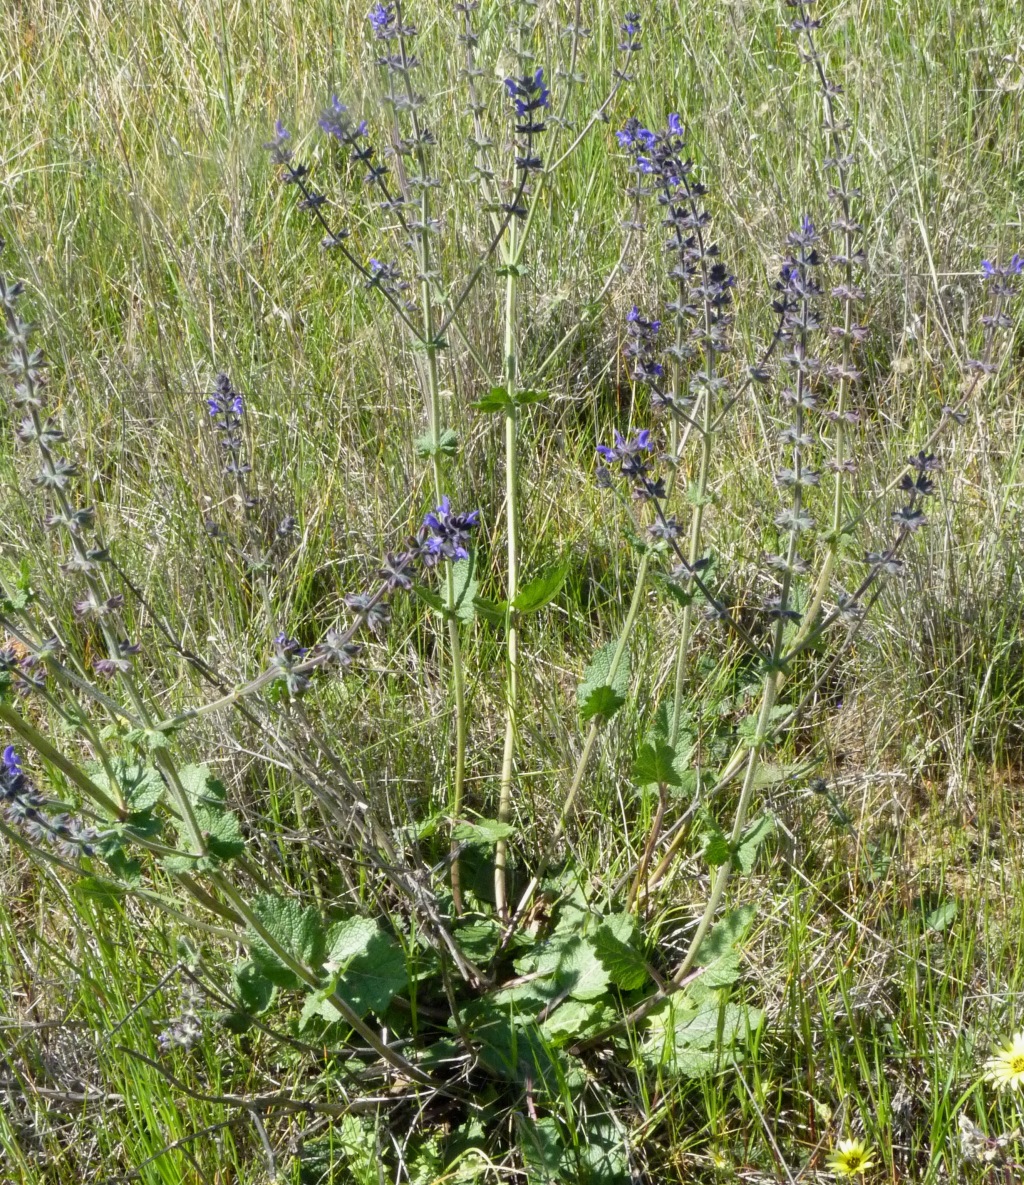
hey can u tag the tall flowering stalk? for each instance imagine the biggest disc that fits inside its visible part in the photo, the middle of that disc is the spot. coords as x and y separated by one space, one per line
530 98
700 314
797 304
531 102
410 202
852 260
691 396
405 195
694 394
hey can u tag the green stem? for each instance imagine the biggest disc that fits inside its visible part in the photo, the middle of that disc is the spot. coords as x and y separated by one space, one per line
512 530
422 236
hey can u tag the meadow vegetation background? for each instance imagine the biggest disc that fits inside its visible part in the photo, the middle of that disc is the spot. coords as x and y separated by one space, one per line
159 249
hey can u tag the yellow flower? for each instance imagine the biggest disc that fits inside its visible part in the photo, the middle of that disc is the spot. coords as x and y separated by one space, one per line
1006 1069
850 1158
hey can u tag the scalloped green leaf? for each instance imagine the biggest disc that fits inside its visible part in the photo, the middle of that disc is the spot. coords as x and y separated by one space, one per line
298 931
574 965
602 701
141 786
717 849
255 990
368 969
602 692
542 589
751 841
447 444
201 786
483 831
726 934
495 402
656 763
221 830
613 943
690 1038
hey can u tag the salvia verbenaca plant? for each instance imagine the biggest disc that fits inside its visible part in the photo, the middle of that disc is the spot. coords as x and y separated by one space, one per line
409 194
475 1004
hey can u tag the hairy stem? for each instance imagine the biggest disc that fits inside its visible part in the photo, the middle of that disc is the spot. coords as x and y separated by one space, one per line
512 532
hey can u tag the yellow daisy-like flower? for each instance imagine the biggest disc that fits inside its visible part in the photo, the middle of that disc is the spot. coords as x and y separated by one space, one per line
1006 1069
851 1158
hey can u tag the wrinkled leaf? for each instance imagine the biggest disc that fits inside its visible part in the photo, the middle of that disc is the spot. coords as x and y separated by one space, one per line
690 1039
722 972
575 1019
298 931
495 402
368 965
725 935
603 702
255 990
601 693
483 831
573 963
751 840
447 444
613 944
510 1049
656 763
347 939
201 786
141 786
479 940
465 586
541 1145
717 849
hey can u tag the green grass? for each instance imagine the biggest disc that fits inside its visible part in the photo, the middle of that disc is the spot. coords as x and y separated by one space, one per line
159 248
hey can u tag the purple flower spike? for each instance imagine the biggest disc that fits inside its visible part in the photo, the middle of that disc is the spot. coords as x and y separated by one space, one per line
445 535
226 407
382 17
530 96
626 451
1001 277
